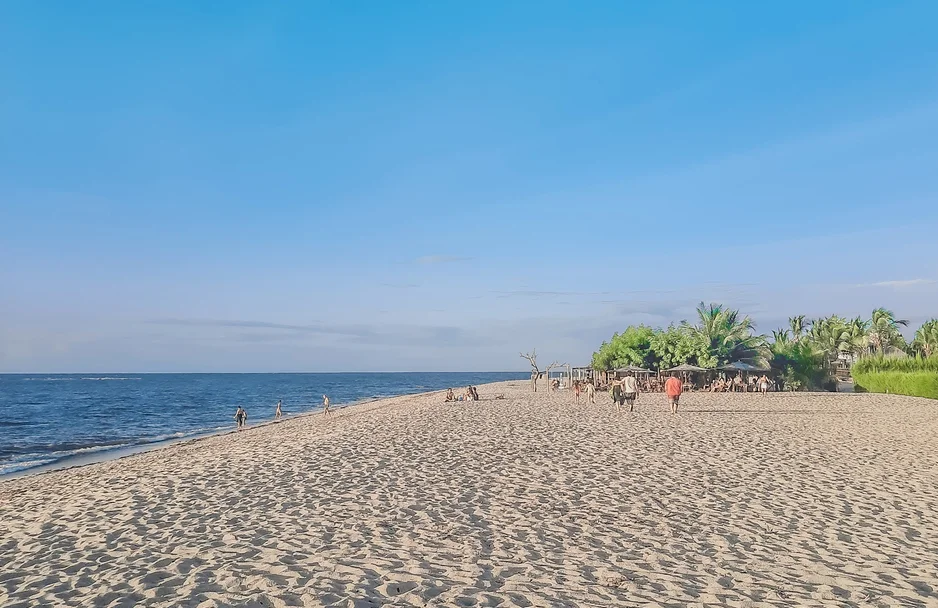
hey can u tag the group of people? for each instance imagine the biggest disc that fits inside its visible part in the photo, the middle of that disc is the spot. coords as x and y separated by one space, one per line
588 387
470 394
626 391
241 415
739 385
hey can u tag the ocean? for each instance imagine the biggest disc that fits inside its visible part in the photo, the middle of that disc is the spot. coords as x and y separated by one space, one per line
54 419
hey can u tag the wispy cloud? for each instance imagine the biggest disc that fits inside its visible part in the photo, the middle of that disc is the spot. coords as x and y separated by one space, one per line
441 259
901 283
362 333
401 285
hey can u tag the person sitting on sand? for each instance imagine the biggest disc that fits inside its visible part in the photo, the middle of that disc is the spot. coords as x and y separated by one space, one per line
469 396
279 413
475 393
241 417
325 404
738 383
450 396
764 384
673 389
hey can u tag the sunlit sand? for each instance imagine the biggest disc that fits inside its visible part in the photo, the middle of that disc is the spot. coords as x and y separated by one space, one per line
528 501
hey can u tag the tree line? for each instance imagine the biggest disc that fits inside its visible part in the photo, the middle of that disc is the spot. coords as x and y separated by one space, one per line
803 354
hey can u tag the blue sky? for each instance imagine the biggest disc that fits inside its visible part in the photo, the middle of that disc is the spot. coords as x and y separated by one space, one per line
436 186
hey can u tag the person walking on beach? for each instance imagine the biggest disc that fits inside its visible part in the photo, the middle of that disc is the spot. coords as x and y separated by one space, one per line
590 392
576 392
673 388
241 417
630 390
764 384
617 394
325 405
279 413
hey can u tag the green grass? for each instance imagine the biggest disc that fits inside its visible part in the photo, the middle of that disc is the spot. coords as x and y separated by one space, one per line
912 383
895 364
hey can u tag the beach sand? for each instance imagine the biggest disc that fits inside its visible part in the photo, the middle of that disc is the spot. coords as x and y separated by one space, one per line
794 499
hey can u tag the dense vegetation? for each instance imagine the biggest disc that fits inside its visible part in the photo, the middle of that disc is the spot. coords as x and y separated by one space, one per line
804 354
916 376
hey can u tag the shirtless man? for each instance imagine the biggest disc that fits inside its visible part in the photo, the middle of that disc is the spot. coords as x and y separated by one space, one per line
590 392
764 384
673 387
630 390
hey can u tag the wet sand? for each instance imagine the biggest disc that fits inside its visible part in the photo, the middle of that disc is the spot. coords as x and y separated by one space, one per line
794 499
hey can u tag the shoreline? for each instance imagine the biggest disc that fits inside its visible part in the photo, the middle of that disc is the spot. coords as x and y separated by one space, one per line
76 461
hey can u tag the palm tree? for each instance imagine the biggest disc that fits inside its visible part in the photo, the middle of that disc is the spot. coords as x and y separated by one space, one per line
831 336
728 337
856 337
926 338
780 336
884 330
797 325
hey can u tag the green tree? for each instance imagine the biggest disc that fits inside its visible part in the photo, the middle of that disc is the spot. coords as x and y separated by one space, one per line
926 339
856 337
631 347
884 330
677 345
830 336
729 337
800 365
797 325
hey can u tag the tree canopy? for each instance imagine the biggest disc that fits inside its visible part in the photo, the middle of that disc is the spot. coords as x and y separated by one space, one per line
804 354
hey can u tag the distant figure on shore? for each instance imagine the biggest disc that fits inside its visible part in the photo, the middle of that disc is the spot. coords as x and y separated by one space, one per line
450 396
764 384
475 393
241 417
590 392
325 404
673 388
576 392
630 390
279 413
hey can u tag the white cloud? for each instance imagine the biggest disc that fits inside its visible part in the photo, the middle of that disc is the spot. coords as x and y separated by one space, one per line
901 284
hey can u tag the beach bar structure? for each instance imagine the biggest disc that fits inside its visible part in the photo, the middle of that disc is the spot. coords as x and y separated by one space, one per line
634 369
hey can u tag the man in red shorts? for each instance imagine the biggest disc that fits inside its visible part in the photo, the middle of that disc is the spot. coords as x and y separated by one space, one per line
673 388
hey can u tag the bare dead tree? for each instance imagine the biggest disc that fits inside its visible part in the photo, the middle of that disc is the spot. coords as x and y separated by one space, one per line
535 372
550 367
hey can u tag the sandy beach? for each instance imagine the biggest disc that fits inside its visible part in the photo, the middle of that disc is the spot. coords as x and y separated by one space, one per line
794 499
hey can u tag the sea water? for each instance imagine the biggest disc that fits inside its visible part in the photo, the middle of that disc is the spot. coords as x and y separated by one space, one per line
48 419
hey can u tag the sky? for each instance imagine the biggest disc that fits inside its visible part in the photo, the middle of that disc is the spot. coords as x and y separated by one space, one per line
404 186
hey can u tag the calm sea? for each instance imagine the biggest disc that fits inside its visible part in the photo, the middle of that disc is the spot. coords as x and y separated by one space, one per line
47 419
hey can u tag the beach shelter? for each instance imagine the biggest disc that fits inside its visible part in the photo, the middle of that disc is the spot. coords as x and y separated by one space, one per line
742 366
633 369
687 367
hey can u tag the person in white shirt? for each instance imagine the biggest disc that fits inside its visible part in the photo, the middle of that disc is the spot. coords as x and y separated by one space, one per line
630 390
